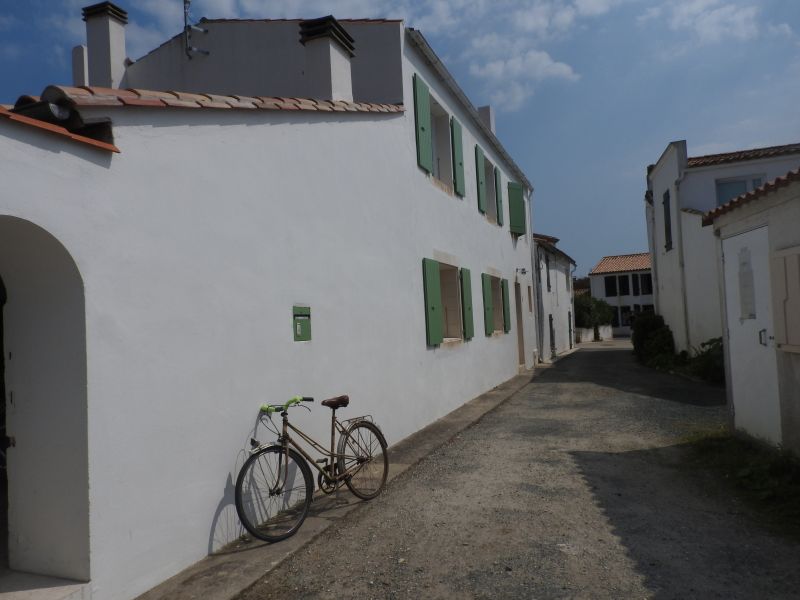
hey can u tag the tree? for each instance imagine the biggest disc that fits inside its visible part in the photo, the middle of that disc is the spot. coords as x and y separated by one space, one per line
590 313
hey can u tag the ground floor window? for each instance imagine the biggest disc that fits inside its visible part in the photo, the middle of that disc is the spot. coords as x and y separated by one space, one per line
614 316
448 302
625 316
497 316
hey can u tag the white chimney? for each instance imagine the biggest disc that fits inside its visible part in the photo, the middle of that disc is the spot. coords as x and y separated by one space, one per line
80 66
329 49
105 39
486 113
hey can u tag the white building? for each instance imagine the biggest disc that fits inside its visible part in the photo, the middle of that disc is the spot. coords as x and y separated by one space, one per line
554 310
758 236
156 246
679 190
625 282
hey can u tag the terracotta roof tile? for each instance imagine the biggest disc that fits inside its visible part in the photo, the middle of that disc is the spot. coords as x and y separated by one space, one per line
622 263
95 96
741 155
55 129
764 190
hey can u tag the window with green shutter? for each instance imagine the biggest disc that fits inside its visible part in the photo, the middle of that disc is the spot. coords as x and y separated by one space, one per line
516 208
495 294
448 308
506 309
434 317
480 172
422 118
457 144
498 193
466 304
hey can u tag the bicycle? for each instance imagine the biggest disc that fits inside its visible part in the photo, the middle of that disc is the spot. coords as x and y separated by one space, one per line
275 487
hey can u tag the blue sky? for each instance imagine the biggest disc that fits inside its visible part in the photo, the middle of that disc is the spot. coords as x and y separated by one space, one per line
587 92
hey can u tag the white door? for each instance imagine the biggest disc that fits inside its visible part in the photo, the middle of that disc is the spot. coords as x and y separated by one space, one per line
754 369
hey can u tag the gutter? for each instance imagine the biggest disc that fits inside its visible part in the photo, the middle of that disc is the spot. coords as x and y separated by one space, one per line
421 43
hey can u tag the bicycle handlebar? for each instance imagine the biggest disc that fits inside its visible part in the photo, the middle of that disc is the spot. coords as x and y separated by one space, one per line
294 400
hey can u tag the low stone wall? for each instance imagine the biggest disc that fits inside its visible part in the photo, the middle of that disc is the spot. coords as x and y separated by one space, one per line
583 334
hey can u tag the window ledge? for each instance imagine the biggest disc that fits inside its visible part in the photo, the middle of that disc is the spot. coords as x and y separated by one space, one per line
789 348
445 187
498 333
452 341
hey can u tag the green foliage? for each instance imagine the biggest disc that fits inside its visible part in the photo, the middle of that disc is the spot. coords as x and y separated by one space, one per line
645 325
708 361
591 312
659 349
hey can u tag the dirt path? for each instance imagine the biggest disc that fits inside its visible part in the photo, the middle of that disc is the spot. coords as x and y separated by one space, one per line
572 489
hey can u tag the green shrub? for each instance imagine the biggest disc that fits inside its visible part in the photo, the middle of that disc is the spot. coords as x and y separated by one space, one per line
708 361
659 348
645 325
590 313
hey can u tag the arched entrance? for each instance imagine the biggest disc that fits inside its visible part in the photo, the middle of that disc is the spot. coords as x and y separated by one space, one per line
44 356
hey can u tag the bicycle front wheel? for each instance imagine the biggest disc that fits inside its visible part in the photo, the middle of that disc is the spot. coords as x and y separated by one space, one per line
273 493
362 451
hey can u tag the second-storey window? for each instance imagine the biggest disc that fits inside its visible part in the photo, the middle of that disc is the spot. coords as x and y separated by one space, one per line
646 280
667 221
611 285
728 189
624 285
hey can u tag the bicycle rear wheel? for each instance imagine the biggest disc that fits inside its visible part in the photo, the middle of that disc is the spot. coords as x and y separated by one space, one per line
273 493
362 448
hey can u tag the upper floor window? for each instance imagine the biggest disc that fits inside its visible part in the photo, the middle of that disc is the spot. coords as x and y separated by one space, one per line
646 281
624 285
547 269
439 140
667 221
611 285
728 189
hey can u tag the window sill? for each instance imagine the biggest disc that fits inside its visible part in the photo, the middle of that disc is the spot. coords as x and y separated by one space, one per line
447 188
789 348
452 341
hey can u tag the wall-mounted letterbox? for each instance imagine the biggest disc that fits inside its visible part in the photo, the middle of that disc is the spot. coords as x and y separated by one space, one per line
302 323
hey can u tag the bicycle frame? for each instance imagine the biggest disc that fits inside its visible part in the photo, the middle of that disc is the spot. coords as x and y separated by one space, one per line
285 440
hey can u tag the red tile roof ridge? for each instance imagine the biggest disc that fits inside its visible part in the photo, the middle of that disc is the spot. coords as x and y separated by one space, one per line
55 129
741 155
765 190
97 96
619 263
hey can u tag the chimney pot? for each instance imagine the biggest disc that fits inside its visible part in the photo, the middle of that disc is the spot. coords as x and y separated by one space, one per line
105 41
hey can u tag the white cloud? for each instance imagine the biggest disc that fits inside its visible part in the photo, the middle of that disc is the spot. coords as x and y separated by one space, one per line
710 21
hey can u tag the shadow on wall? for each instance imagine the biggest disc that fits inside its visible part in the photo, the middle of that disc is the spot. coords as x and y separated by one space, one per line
687 537
617 368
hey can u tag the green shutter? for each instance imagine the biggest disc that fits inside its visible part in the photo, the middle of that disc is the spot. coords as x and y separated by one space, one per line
458 157
480 173
434 313
466 304
506 310
488 314
422 117
498 194
516 208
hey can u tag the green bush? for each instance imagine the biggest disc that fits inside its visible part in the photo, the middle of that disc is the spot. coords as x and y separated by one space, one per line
659 349
708 361
645 325
590 313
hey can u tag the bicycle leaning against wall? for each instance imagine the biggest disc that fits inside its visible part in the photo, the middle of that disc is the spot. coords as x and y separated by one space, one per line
275 487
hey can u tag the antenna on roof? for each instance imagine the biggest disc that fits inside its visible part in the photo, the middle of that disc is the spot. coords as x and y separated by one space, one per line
188 28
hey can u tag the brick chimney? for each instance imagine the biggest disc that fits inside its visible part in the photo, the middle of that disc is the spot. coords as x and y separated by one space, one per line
105 41
329 49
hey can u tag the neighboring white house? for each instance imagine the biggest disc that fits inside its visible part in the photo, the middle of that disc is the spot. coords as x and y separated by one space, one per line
679 190
554 308
759 247
626 283
156 248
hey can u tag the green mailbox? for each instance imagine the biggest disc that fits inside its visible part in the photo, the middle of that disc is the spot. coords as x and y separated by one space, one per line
302 323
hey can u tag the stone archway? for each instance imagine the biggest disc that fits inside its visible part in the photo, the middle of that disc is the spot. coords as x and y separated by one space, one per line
46 403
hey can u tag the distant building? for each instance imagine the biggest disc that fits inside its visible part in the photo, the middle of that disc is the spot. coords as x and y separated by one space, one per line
555 317
626 283
679 190
758 235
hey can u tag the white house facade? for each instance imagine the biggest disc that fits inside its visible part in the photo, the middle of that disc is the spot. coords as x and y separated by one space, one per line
625 282
156 246
555 314
680 189
758 236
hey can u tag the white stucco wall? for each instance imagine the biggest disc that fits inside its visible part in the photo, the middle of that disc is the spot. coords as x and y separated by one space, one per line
556 302
686 278
194 244
780 212
597 287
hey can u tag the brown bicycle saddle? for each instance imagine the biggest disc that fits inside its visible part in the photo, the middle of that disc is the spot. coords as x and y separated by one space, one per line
337 402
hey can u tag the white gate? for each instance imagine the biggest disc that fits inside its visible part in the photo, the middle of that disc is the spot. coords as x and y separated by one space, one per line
751 343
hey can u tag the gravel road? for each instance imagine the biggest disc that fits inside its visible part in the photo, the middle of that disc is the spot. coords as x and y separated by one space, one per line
575 488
